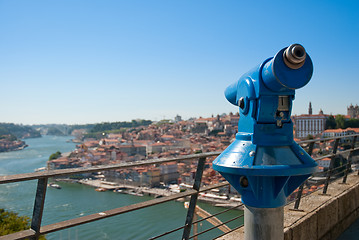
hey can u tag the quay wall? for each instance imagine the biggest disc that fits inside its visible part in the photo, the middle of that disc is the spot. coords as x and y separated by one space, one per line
322 217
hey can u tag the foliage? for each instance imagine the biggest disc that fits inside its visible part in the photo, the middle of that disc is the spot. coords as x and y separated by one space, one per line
330 123
9 137
341 122
353 122
10 222
55 155
87 127
19 131
55 131
97 135
103 127
164 122
310 137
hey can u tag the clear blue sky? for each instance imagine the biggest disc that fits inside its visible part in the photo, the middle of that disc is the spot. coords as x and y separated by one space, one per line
73 61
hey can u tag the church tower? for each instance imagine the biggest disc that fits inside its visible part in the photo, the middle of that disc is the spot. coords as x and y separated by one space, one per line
310 110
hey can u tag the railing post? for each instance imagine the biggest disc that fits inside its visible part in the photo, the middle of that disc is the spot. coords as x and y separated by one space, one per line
349 163
300 189
38 207
193 201
331 166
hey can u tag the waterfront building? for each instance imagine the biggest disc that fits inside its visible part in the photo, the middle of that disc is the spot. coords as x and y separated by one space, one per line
169 172
187 178
145 176
154 176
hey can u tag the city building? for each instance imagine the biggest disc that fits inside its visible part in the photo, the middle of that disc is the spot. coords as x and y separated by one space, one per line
157 147
178 118
353 112
169 172
132 150
340 132
309 124
323 164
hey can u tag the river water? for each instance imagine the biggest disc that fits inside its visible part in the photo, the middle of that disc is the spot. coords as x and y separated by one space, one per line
75 200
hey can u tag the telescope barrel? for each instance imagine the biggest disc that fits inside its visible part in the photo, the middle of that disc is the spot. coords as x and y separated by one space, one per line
291 68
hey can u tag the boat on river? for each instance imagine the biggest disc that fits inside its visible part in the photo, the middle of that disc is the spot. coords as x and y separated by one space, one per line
40 169
54 185
135 193
118 190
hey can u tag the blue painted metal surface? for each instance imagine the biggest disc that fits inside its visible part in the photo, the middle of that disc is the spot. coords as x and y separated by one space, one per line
264 164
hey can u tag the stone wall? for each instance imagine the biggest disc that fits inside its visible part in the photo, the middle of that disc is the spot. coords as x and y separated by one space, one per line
325 218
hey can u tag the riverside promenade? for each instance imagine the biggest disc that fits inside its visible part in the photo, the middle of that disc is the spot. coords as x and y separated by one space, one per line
156 192
113 186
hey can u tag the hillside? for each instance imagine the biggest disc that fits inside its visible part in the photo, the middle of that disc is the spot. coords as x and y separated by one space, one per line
19 131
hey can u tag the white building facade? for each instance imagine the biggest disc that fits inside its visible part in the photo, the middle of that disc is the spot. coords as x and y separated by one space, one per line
306 125
309 124
324 163
339 133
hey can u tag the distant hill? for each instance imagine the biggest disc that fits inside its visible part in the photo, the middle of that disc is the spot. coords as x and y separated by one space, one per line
55 131
98 129
19 131
107 126
90 130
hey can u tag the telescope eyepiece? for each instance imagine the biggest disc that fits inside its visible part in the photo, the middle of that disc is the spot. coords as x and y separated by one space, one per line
294 56
291 68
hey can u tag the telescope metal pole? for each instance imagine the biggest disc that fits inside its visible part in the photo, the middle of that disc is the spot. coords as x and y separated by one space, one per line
263 223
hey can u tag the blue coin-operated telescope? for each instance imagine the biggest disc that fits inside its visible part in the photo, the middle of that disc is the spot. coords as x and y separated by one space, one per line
264 164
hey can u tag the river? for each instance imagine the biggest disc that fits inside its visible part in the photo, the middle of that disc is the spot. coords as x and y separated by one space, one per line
75 200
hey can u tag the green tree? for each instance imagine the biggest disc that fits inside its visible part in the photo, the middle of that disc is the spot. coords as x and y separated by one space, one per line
330 123
354 123
310 137
340 121
55 155
10 222
107 126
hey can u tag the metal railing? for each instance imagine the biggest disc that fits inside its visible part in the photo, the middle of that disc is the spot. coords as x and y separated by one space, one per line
42 179
332 171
